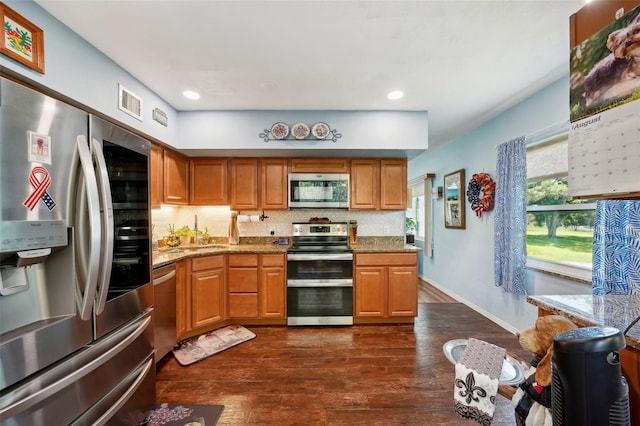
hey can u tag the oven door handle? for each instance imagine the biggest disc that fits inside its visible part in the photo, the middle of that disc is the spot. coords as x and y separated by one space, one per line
347 282
318 256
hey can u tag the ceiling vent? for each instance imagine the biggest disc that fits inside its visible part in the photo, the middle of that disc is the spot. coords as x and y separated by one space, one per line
129 103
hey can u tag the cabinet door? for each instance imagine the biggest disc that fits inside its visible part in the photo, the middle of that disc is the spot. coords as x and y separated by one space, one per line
208 184
176 178
370 292
244 184
273 184
183 295
393 184
272 293
207 297
365 184
402 291
157 181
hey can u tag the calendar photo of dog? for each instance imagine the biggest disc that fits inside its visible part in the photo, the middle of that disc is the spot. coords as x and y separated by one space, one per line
605 69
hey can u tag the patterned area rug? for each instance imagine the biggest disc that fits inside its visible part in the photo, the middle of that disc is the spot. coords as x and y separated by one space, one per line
183 415
198 348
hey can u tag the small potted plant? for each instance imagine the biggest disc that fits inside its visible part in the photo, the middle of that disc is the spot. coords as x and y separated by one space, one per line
410 226
185 234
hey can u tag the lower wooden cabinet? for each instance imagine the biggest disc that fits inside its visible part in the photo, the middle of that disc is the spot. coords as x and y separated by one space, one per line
273 286
386 287
207 290
243 285
183 296
256 286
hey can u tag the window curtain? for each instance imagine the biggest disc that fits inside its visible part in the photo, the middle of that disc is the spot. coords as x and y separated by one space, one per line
510 255
616 248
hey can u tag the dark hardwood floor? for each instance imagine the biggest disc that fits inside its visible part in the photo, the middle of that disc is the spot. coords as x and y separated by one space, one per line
360 375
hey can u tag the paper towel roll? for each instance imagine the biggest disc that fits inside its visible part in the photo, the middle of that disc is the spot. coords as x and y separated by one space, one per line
248 218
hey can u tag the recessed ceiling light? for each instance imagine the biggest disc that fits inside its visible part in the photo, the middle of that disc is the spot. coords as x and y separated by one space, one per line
396 94
190 94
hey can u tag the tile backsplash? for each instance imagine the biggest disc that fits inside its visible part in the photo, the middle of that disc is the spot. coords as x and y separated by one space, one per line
217 219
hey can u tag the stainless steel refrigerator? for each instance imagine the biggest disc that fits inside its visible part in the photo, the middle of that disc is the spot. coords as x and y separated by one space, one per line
76 299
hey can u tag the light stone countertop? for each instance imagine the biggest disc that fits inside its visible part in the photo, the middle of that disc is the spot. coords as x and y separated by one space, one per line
589 310
165 256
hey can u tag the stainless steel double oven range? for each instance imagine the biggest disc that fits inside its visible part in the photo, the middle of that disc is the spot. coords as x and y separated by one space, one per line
320 275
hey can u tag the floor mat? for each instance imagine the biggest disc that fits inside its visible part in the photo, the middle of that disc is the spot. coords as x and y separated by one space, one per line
198 348
183 414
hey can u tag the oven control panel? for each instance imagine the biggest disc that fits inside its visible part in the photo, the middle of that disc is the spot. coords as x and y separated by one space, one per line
320 229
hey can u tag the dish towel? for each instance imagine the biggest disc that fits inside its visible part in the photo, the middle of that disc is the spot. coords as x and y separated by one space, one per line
476 384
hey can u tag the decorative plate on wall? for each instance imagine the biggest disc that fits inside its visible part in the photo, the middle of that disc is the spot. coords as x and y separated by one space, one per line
320 130
300 130
280 130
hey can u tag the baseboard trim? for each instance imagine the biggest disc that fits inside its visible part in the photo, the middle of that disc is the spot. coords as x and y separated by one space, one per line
481 311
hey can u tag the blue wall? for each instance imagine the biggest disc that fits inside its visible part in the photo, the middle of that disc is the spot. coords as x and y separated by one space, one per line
74 68
462 262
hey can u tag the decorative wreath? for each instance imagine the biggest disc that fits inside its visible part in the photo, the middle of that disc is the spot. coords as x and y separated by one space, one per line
481 182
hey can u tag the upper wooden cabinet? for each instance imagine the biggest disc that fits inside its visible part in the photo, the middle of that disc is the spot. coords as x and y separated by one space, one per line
378 184
176 178
244 183
208 184
319 165
156 172
273 184
365 184
393 184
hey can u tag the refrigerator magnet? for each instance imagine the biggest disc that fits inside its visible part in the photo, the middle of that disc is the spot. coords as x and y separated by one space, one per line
39 147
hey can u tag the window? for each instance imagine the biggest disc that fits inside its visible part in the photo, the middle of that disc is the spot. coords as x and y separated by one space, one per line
420 211
559 229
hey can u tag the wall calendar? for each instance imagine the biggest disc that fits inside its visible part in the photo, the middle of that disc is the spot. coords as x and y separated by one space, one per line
604 152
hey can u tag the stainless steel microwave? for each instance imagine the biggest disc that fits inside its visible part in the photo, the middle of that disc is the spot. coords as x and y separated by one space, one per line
318 191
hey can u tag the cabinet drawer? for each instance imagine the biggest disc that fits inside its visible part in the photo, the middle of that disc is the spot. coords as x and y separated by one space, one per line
238 260
272 260
243 280
208 262
387 259
243 305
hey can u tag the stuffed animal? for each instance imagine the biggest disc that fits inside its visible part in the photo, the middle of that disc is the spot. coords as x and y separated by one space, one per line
532 399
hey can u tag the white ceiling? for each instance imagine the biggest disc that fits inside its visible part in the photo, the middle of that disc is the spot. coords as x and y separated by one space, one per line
463 61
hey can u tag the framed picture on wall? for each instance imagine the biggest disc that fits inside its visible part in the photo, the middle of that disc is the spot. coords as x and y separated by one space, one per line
454 200
21 40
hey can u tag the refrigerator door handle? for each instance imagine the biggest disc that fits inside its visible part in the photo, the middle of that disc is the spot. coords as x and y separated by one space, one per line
40 395
106 207
90 276
143 371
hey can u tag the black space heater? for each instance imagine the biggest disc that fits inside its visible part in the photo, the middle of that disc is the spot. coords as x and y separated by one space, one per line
588 388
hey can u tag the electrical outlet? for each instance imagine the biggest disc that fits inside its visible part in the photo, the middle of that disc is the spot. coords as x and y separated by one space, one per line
386 230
